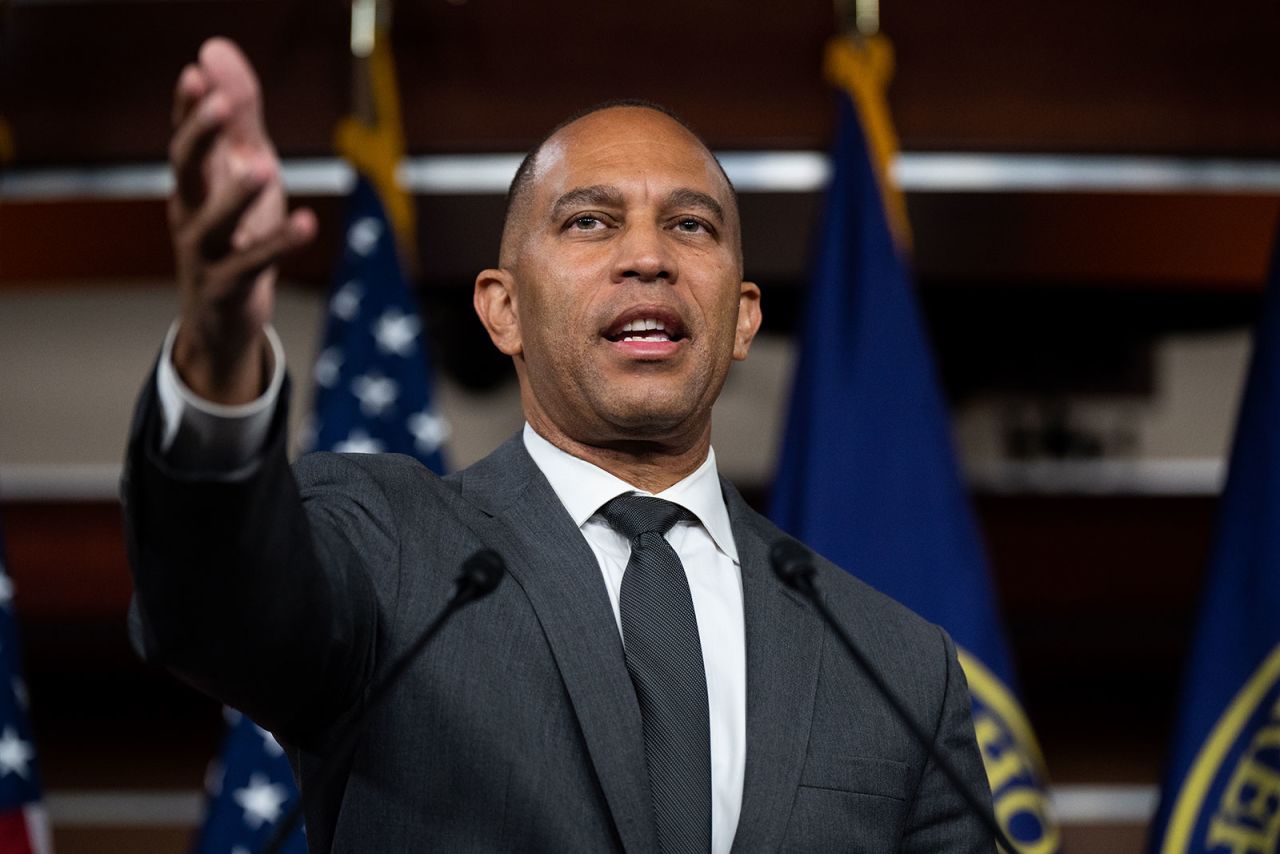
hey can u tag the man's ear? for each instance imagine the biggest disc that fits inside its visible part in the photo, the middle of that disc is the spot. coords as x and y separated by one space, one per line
748 319
495 303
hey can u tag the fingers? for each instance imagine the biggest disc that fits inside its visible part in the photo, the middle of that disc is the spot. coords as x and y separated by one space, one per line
192 137
218 225
243 264
226 69
191 144
228 214
192 85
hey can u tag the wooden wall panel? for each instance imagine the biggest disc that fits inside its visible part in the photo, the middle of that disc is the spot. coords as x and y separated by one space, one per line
67 559
481 75
1217 242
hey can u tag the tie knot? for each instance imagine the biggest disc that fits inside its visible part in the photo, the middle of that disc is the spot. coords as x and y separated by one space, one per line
632 515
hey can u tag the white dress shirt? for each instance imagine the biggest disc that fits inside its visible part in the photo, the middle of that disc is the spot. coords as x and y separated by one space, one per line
225 441
199 435
710 558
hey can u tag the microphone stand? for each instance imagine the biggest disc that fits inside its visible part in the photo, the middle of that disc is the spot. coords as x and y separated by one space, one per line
481 573
793 565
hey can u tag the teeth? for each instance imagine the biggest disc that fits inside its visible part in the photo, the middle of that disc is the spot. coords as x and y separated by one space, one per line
643 325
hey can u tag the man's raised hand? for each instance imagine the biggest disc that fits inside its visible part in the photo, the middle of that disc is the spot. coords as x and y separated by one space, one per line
229 223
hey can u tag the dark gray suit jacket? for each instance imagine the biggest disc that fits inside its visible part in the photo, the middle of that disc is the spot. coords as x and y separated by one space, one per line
284 594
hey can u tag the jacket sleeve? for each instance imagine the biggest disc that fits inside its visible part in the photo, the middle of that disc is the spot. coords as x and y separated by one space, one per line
940 819
243 595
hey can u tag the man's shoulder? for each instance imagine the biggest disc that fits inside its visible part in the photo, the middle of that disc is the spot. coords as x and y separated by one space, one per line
863 609
847 594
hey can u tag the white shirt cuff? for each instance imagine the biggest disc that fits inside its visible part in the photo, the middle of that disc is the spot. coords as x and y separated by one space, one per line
199 435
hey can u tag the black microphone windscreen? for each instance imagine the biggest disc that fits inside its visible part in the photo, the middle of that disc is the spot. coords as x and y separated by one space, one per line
481 573
791 562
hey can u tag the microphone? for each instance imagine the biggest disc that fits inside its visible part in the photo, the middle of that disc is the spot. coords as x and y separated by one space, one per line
793 564
480 575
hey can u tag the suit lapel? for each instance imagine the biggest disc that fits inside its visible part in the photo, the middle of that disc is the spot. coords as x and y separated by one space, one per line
784 645
548 557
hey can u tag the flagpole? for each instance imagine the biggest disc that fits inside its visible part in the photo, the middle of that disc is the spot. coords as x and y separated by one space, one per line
371 137
364 37
858 18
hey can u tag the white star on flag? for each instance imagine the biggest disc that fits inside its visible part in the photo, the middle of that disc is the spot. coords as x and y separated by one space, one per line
15 754
429 430
396 331
376 392
363 235
346 302
359 442
261 800
328 366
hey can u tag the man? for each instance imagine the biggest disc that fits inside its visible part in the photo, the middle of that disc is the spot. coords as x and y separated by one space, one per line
628 687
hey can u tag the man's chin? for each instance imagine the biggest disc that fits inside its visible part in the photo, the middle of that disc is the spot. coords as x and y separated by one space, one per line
649 420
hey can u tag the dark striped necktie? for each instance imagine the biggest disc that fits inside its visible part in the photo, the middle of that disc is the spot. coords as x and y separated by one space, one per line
664 656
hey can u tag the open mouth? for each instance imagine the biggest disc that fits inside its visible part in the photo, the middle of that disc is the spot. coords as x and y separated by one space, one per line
646 327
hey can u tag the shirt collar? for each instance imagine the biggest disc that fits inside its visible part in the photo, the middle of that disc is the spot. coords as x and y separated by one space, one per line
583 488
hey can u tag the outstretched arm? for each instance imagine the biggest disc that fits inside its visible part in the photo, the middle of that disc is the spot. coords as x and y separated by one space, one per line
237 591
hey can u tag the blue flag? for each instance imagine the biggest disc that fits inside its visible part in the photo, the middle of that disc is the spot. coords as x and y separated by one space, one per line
868 478
373 387
1222 790
24 828
249 787
373 394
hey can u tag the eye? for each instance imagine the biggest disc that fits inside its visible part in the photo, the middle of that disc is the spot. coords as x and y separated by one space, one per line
690 225
585 223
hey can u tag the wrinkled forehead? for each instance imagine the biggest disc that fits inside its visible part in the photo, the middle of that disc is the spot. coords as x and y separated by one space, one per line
634 148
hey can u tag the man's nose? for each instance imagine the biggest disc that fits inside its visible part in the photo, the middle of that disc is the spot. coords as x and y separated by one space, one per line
645 255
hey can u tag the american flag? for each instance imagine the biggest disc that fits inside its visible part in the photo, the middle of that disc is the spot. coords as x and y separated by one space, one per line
24 828
373 391
373 394
250 787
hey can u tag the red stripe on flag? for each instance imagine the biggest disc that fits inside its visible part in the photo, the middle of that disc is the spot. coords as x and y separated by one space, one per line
14 838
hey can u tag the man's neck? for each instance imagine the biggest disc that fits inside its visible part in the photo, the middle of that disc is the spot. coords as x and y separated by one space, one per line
651 466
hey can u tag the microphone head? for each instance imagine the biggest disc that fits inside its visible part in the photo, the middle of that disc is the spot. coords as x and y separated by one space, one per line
481 574
791 563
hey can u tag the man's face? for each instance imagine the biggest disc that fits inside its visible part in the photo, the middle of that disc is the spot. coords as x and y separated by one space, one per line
625 279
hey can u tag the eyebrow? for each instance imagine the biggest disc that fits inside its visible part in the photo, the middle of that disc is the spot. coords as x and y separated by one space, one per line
597 195
686 198
608 196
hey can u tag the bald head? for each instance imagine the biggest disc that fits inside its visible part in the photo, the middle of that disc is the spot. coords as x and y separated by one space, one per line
624 118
